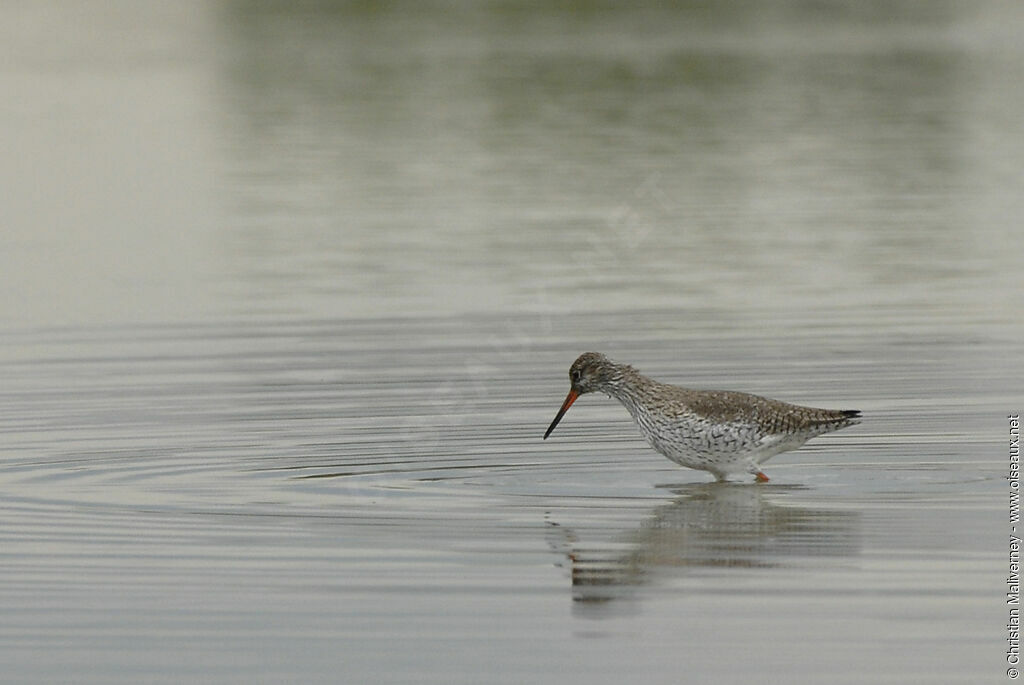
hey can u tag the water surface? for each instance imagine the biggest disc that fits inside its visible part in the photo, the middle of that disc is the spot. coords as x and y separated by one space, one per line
291 295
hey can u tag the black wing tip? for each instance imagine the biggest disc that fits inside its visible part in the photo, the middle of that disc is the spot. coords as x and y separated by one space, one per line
851 413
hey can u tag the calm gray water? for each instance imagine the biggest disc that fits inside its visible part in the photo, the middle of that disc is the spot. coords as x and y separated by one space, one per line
290 292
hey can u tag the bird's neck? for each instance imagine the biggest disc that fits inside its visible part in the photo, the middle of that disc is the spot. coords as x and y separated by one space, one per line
628 386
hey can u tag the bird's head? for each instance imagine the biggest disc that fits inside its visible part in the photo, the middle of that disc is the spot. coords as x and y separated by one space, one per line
591 371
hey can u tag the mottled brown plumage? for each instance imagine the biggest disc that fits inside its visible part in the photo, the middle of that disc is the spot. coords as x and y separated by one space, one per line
719 431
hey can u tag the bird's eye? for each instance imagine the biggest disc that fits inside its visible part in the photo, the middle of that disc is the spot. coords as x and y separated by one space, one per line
575 375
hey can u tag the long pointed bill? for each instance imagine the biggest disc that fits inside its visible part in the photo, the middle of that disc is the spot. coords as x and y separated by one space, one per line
561 412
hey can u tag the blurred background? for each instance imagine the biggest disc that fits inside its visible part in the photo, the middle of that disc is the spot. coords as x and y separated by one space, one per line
352 159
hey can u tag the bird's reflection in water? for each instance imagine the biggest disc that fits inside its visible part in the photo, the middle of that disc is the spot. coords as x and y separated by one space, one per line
707 525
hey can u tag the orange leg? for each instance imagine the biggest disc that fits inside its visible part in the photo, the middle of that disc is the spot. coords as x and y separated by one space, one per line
761 478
